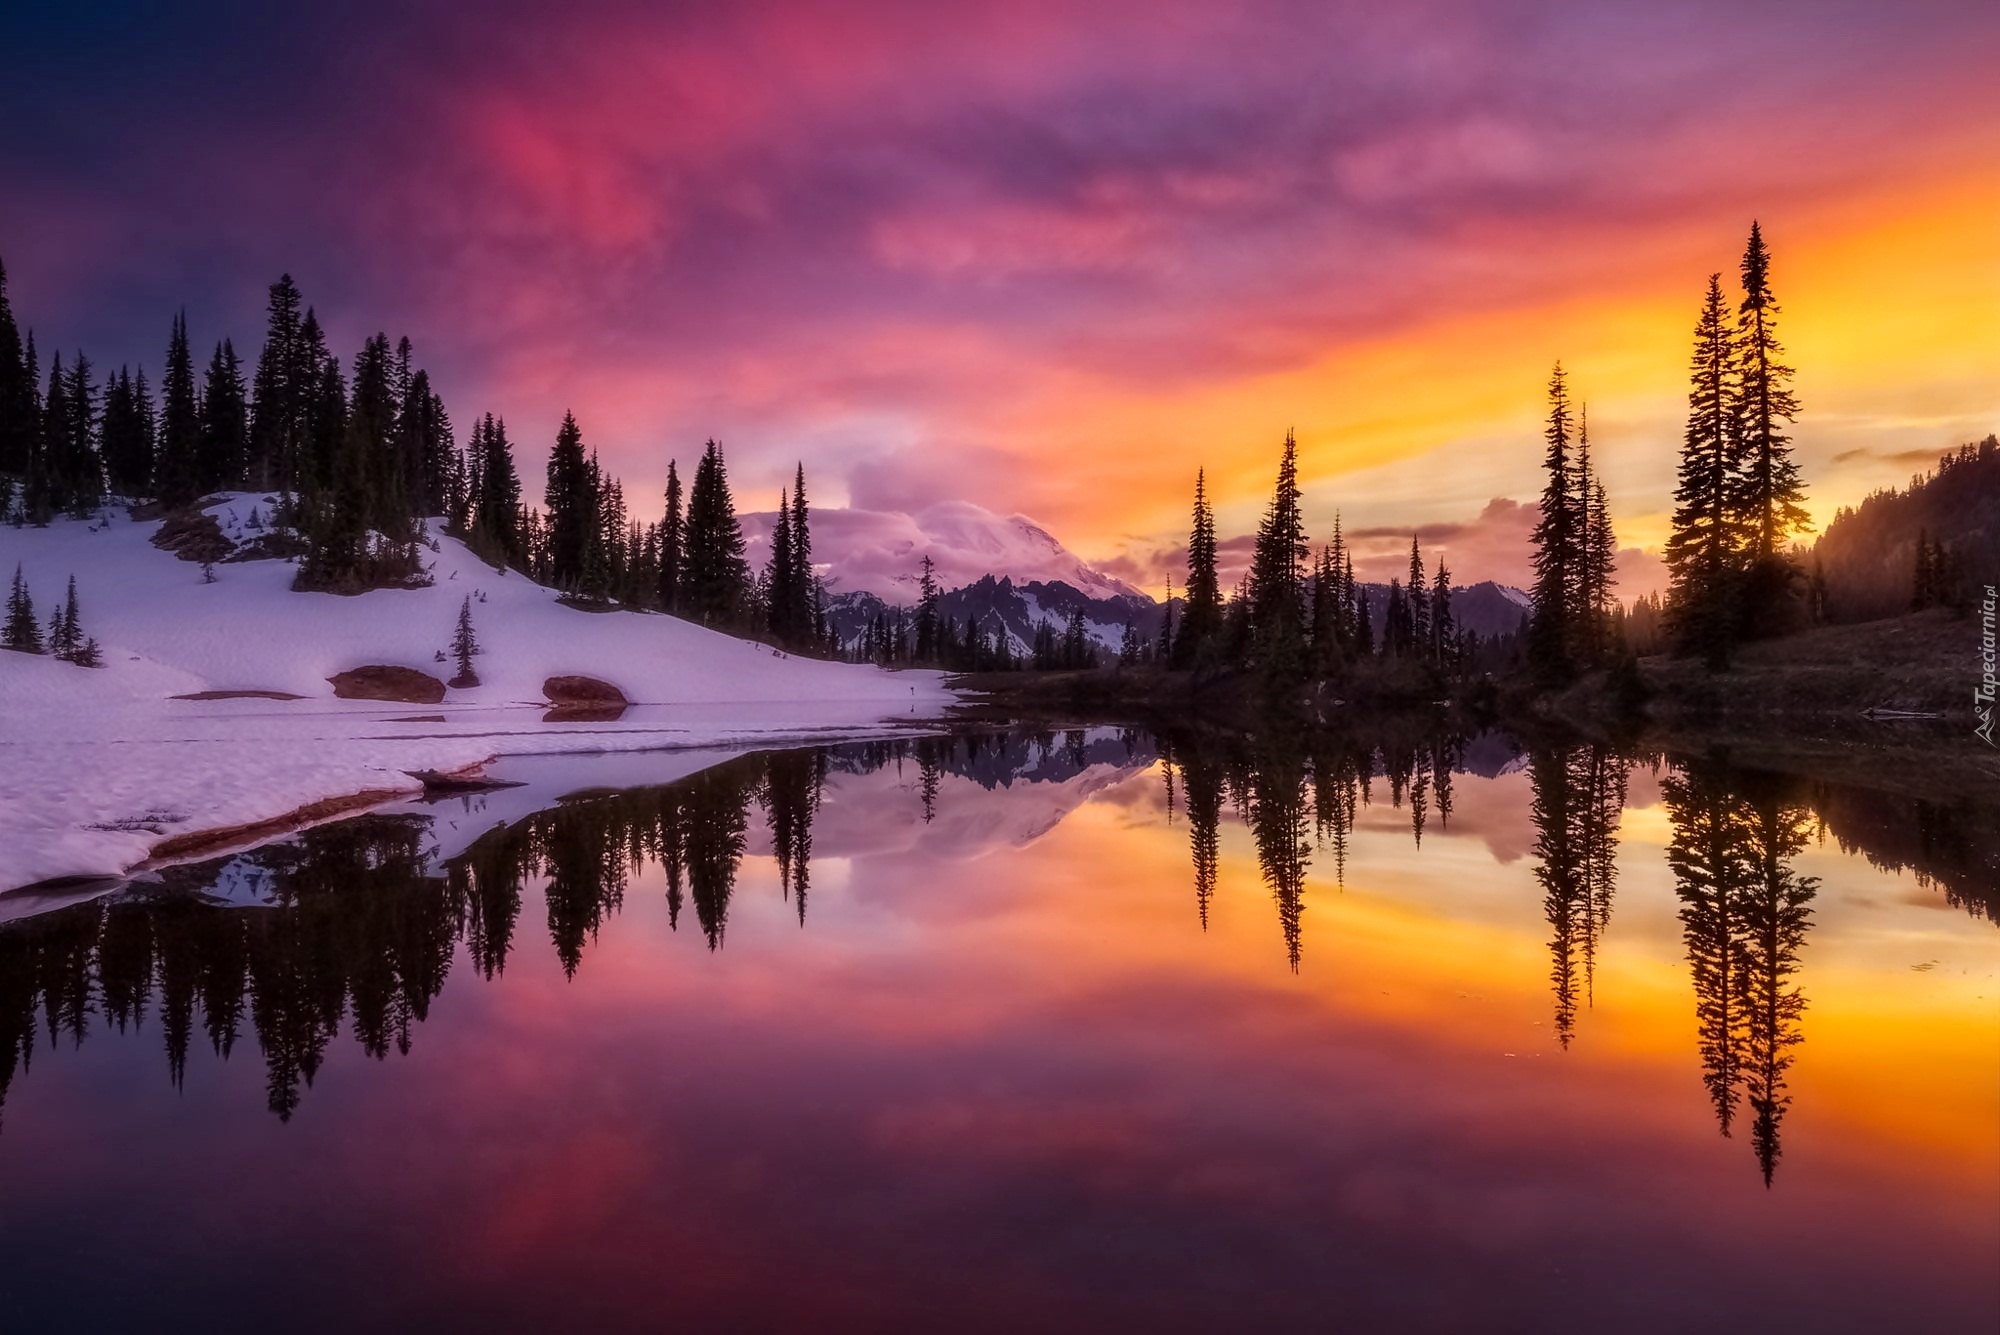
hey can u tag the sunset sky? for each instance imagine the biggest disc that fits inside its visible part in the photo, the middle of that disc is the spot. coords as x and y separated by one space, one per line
1050 258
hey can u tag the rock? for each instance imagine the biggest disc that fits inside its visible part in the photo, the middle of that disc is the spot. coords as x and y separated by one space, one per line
582 692
584 713
378 682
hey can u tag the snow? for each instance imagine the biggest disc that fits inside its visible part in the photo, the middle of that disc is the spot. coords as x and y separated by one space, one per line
98 766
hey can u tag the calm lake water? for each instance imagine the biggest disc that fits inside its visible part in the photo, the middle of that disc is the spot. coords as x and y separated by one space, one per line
1089 1030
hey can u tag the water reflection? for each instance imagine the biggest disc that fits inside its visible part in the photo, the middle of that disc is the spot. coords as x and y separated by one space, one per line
357 925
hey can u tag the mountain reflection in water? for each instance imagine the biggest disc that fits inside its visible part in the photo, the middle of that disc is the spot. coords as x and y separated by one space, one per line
1381 858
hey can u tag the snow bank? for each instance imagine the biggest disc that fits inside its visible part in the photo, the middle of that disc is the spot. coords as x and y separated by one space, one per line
99 766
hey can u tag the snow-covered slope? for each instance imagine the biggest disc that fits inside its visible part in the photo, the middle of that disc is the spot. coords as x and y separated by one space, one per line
99 766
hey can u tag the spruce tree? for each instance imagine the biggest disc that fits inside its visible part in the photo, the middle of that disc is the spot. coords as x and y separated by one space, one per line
19 392
806 616
497 516
1416 590
1768 488
673 534
225 422
128 435
281 389
1276 591
464 644
714 576
778 575
178 472
1704 547
1201 615
65 634
21 632
928 594
1444 628
1552 635
570 509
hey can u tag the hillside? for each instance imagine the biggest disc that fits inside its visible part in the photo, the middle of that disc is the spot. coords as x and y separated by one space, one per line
100 766
1868 553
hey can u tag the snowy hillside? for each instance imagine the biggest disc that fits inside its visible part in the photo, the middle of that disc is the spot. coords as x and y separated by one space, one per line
99 766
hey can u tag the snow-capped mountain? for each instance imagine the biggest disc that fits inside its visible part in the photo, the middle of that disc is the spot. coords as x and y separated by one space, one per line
878 551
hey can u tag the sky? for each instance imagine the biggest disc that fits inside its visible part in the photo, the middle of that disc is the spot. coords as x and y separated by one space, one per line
1048 260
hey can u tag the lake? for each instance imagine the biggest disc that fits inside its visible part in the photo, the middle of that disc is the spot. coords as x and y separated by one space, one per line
1077 1030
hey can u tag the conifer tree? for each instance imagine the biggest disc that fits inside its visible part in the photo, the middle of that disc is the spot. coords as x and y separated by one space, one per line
928 594
1201 614
1444 628
497 516
19 392
1419 601
714 576
178 472
1552 635
128 435
1703 551
1767 485
21 632
778 574
464 644
372 465
65 635
673 533
1277 602
225 422
281 390
1164 649
571 512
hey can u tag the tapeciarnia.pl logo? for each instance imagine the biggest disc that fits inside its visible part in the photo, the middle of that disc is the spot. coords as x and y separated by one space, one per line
1982 697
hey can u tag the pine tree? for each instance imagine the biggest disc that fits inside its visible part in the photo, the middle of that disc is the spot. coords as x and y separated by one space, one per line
673 534
928 594
373 468
65 634
1128 646
1201 614
128 435
19 392
571 512
715 579
1704 546
1444 629
497 516
464 644
1769 489
1163 650
1276 592
1552 635
778 574
178 473
21 632
1419 601
225 422
281 390
806 614
1768 492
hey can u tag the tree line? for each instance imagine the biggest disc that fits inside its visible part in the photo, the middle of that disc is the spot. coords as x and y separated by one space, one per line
361 456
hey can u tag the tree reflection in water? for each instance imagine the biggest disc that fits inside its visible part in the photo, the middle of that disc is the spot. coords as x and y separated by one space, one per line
357 924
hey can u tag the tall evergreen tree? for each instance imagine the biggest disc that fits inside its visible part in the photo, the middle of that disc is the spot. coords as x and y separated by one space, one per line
21 632
373 462
1704 548
714 576
1201 616
281 390
496 521
1276 589
673 535
571 507
225 422
178 471
128 434
778 575
1558 542
20 396
1768 488
1420 603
